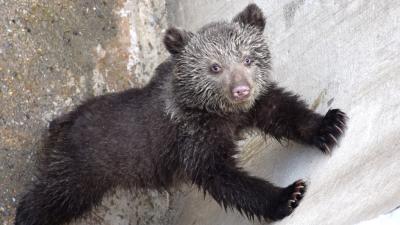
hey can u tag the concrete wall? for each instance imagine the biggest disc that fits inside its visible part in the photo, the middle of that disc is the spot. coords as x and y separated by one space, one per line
338 53
53 55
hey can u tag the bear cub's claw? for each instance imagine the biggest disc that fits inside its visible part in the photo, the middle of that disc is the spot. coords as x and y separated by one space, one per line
298 190
332 128
292 195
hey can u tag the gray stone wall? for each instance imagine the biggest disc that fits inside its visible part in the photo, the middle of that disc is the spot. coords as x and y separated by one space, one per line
53 55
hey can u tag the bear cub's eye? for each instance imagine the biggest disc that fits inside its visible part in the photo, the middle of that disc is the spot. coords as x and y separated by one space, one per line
247 61
215 68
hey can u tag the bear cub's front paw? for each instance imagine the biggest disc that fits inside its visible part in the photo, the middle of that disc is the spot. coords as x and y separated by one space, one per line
290 199
331 129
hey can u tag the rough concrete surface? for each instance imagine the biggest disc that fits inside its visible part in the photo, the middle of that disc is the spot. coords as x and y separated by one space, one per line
336 54
53 55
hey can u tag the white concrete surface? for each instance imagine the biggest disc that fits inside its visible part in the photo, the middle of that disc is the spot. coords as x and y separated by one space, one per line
336 54
392 218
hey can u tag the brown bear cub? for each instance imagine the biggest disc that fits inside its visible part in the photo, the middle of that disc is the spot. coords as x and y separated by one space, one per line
182 126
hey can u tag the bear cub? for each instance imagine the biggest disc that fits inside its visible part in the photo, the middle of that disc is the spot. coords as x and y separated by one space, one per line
181 127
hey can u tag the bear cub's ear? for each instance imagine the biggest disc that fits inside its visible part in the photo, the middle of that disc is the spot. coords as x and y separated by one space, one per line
176 39
251 15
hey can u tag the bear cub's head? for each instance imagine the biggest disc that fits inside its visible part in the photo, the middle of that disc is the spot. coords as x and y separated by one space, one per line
224 67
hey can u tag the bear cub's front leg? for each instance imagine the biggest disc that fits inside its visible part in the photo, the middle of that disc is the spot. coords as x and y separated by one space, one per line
290 199
330 130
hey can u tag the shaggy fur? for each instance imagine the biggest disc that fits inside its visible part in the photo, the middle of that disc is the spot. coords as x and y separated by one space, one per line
183 126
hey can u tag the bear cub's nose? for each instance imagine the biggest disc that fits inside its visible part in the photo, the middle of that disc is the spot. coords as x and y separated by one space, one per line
241 92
